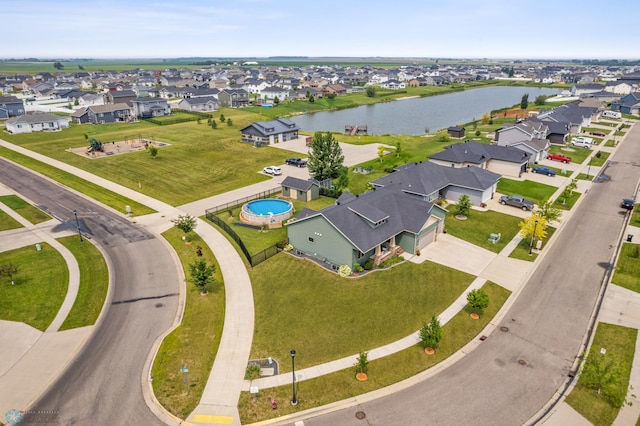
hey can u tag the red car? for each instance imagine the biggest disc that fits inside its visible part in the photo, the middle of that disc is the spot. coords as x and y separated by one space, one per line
559 157
601 134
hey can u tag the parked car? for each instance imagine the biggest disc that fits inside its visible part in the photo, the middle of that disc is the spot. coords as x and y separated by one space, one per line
543 170
627 204
295 161
272 170
600 134
559 157
517 201
582 142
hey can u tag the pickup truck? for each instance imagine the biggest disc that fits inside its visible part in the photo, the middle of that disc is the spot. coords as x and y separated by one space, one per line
295 161
543 170
559 157
517 201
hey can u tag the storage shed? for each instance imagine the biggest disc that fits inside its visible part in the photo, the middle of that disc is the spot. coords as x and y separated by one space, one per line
456 132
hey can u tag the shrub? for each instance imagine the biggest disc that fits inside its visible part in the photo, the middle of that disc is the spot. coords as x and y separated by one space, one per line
478 299
288 247
431 333
368 265
362 362
252 372
344 270
357 267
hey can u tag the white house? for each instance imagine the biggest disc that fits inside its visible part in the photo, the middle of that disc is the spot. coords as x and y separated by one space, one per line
36 122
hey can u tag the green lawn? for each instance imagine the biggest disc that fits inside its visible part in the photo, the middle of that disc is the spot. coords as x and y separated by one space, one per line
522 249
534 191
480 224
382 372
568 202
40 286
635 216
24 209
595 129
195 341
7 222
577 155
627 272
600 158
90 189
619 343
300 305
94 283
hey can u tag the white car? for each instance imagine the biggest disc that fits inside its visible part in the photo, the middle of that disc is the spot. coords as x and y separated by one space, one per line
582 142
272 170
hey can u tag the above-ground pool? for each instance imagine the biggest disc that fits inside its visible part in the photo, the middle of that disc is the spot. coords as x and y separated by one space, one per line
264 212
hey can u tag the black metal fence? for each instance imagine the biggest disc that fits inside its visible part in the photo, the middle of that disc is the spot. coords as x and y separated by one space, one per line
253 259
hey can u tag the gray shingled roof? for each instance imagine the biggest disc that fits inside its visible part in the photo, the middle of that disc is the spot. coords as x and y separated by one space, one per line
401 211
296 183
478 153
427 178
274 127
200 100
38 117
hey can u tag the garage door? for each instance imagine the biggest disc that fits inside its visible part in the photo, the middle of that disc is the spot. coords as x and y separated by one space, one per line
426 239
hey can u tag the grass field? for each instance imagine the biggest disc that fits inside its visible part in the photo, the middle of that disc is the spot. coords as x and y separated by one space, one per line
90 189
195 342
382 372
619 343
480 224
534 191
7 222
24 209
627 272
300 305
40 286
522 249
94 283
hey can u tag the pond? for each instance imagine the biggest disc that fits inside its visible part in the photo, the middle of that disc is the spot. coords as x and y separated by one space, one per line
412 116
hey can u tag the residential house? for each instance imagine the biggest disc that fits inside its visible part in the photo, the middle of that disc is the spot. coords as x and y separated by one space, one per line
393 84
524 130
271 132
11 106
269 94
537 149
621 87
431 181
90 98
300 189
99 114
233 98
375 225
36 122
199 104
335 89
504 160
574 113
150 107
557 131
628 104
119 97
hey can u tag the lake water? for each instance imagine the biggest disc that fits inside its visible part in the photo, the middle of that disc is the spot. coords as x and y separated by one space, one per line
413 116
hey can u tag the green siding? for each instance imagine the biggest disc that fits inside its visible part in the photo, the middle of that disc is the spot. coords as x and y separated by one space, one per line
328 246
407 241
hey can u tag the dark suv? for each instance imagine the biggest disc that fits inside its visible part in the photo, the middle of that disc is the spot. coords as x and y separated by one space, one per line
627 204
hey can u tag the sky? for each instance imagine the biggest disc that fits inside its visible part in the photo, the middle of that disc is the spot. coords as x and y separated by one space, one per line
498 29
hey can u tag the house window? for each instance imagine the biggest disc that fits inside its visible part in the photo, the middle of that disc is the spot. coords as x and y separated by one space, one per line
310 239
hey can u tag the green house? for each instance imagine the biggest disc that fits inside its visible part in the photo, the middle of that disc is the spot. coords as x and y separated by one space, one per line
375 225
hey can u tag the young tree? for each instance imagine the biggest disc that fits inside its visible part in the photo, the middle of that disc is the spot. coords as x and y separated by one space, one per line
325 156
478 299
371 92
381 152
214 125
153 151
464 205
547 211
601 375
276 100
534 222
58 65
9 270
398 149
186 223
524 102
568 190
229 122
486 118
362 362
80 67
202 274
331 96
343 178
431 333
222 118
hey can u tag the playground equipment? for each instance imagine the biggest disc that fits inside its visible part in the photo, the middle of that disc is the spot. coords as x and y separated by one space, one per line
95 145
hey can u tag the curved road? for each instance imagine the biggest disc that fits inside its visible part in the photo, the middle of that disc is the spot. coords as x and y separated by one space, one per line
103 384
513 374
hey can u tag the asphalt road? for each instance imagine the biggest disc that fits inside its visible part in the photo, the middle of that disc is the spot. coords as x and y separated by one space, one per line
103 384
514 373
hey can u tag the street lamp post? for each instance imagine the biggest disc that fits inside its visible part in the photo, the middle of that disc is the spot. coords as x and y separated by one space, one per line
589 167
75 213
294 401
533 236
